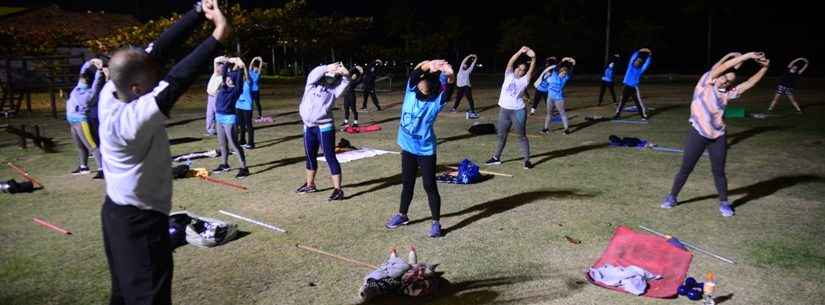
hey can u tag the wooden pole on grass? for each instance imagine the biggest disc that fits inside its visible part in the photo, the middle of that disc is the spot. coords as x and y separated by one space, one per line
221 182
25 174
346 259
51 226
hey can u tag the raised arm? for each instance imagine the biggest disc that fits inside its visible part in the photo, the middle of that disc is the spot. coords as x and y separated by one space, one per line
178 80
344 73
513 59
718 70
532 56
316 74
798 60
754 79
726 58
217 62
165 47
647 61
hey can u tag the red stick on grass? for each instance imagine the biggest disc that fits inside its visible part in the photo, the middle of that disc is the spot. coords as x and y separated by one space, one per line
51 226
221 182
25 175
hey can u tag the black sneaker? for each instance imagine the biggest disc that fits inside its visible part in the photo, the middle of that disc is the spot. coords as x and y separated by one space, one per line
566 132
493 161
81 170
545 131
345 123
363 109
221 168
617 117
306 189
528 165
337 194
242 173
99 175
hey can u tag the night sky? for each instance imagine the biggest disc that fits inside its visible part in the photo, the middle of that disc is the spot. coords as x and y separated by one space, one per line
677 29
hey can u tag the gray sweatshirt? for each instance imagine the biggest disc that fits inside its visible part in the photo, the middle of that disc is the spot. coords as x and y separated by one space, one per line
316 105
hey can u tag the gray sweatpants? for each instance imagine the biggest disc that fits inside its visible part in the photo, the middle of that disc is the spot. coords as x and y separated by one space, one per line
210 114
228 137
507 118
85 142
558 104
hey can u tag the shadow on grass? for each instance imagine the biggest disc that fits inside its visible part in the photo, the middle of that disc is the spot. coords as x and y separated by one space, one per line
763 189
296 122
738 137
663 109
380 183
183 140
501 205
276 164
456 138
183 122
547 156
480 292
277 141
723 298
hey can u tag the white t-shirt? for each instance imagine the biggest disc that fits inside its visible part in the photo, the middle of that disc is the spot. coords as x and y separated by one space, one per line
512 91
463 78
135 150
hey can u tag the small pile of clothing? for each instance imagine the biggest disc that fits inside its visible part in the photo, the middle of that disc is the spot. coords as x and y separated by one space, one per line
631 279
13 187
617 141
204 232
343 146
399 278
184 171
466 173
353 129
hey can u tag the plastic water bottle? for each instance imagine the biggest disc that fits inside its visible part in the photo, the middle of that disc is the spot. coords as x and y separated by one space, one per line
412 259
710 285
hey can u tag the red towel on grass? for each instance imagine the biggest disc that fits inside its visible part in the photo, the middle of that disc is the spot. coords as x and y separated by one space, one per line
363 129
650 252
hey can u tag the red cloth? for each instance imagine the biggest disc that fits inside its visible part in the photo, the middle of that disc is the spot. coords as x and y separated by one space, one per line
650 252
363 129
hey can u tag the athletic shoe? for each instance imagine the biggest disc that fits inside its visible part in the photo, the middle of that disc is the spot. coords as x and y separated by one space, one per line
354 124
493 161
345 123
364 110
337 194
528 165
396 221
245 146
306 189
566 132
99 175
532 111
472 115
452 110
221 168
242 173
669 202
726 208
81 170
435 229
617 117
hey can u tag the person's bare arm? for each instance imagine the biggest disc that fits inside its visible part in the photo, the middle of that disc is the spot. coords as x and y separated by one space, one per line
726 58
798 60
717 71
513 59
754 79
532 56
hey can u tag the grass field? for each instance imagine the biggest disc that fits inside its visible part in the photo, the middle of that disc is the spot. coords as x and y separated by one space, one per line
505 237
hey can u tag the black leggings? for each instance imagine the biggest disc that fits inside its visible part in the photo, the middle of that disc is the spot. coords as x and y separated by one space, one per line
462 92
540 95
694 148
607 85
369 91
632 92
349 105
256 98
410 164
247 134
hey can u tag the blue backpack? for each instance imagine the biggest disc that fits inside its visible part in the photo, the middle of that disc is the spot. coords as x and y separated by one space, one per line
467 172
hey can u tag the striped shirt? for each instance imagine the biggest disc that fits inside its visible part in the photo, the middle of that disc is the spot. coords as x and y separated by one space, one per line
708 107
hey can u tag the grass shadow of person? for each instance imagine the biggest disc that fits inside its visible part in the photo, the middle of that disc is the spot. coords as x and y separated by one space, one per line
380 183
763 189
547 156
738 137
277 141
184 121
501 205
276 164
296 122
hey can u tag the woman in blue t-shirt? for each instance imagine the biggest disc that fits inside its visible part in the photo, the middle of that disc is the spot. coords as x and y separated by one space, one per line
424 99
559 75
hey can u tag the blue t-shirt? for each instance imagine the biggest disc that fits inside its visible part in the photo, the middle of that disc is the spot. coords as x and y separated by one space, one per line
544 83
415 131
555 90
254 77
608 73
634 74
245 100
